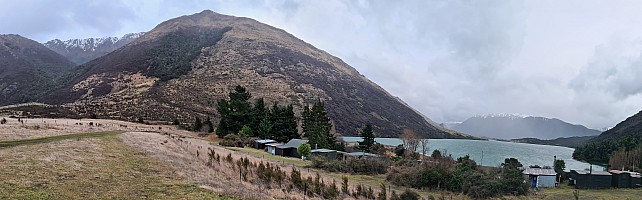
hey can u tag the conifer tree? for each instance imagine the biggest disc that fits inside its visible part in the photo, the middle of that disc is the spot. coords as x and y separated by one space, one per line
368 138
210 126
234 112
197 124
317 126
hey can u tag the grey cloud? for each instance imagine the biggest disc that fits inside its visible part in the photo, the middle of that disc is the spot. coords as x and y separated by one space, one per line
40 19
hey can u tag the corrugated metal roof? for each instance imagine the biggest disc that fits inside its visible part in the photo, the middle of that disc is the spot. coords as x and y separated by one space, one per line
294 143
323 151
633 174
274 144
265 141
539 172
361 154
593 173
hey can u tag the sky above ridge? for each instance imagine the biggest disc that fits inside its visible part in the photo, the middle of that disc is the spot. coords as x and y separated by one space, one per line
576 60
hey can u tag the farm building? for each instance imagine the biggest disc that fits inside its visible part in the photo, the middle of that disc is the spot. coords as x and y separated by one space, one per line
326 153
260 144
625 179
290 149
271 148
590 179
540 178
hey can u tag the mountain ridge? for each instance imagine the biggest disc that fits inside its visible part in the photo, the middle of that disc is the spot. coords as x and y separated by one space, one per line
27 69
508 126
84 50
182 66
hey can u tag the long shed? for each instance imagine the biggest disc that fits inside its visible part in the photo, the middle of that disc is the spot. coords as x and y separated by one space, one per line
583 179
326 153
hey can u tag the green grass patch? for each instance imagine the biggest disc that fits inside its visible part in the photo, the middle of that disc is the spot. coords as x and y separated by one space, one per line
14 143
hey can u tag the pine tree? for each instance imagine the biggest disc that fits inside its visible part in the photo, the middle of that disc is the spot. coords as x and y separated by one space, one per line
235 112
317 126
284 126
210 126
258 114
368 138
197 124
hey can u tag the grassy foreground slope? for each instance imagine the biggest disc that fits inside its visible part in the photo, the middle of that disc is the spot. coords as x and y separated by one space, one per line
89 168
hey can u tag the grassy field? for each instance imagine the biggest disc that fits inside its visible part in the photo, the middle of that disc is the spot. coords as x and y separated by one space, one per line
13 143
88 166
566 192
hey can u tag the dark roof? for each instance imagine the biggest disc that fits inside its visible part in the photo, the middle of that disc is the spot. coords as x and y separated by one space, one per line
265 141
356 154
539 172
323 151
602 173
294 143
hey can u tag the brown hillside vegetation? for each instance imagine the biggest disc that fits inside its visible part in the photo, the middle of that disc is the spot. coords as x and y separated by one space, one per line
184 65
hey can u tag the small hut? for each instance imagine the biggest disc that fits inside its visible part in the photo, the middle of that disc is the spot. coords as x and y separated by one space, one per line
590 179
271 148
625 179
540 178
261 144
325 153
290 149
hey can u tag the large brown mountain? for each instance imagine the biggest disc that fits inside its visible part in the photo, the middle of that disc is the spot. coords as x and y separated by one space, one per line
81 51
27 69
181 67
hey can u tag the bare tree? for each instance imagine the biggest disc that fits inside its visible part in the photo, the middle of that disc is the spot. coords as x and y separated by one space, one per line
410 139
424 147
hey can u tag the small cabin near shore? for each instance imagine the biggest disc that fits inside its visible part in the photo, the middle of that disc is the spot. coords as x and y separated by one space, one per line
261 144
625 179
583 179
290 149
540 178
325 153
271 148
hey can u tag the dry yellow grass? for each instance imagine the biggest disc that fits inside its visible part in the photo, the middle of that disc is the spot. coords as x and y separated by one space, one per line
89 168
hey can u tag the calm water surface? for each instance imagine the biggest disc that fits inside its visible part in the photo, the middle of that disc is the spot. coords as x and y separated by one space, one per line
494 152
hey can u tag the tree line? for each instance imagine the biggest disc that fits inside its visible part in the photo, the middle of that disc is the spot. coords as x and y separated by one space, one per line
276 122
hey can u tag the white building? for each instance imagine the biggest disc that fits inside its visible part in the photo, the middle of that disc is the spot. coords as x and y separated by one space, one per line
540 178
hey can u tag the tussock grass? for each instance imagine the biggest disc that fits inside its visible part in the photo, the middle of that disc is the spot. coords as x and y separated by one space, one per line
14 143
101 167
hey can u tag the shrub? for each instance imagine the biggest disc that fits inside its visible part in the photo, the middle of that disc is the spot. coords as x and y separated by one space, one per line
355 166
409 195
3 121
232 140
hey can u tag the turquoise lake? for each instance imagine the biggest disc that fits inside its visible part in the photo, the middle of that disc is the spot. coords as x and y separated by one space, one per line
494 152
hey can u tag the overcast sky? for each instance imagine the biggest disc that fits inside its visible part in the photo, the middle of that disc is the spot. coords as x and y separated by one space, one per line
576 60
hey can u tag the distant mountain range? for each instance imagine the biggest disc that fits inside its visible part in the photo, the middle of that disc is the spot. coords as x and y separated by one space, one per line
507 126
179 70
27 69
81 51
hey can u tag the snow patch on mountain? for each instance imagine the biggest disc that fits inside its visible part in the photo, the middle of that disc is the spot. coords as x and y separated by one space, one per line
90 44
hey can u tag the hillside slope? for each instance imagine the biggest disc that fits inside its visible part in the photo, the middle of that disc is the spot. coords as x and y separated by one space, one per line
631 126
184 65
27 69
571 142
513 126
81 51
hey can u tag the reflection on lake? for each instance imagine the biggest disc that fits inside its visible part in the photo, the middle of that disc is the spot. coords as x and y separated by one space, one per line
494 152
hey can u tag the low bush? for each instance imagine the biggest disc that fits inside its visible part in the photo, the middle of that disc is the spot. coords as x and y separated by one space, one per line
367 166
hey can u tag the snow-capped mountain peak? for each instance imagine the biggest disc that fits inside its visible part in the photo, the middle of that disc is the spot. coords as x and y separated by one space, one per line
84 50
